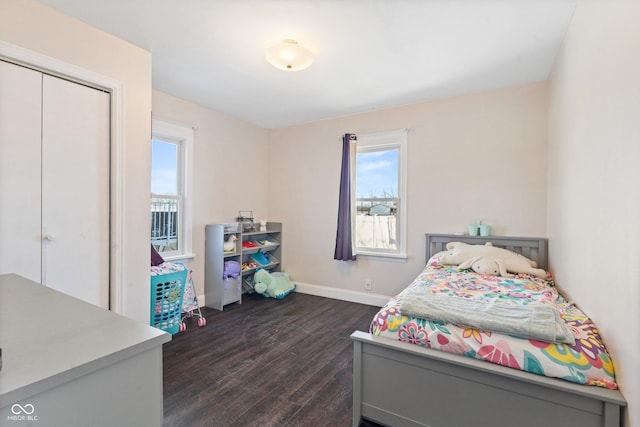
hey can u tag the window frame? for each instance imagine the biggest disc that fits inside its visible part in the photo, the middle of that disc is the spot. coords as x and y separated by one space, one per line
182 136
394 139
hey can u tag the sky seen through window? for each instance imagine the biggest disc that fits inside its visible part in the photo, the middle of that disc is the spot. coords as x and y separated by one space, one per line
377 174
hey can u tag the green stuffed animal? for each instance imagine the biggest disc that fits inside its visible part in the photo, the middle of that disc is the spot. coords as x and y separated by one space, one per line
273 285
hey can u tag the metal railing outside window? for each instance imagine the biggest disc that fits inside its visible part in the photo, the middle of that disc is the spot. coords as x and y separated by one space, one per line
165 223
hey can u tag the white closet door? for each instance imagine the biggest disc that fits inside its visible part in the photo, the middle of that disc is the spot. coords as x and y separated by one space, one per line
75 190
20 118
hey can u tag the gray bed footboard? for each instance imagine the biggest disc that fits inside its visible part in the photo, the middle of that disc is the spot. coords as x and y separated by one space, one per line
400 384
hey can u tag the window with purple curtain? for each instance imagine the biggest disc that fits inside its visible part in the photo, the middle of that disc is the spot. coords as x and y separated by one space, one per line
344 236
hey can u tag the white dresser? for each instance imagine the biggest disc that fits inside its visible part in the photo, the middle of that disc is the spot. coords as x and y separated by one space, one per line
70 363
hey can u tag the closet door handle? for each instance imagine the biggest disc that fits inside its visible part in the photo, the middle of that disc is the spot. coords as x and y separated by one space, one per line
48 238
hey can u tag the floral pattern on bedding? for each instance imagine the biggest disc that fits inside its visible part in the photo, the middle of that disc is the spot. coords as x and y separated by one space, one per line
585 362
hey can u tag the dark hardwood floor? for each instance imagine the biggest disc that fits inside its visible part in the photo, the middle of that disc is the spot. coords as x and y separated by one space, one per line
265 362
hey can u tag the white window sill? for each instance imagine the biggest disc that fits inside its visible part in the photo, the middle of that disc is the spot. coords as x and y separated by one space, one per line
181 257
383 257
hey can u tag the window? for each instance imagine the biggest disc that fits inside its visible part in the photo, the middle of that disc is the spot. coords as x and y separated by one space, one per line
171 179
380 189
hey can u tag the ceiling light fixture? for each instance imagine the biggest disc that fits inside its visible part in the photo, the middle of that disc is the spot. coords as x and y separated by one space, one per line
289 56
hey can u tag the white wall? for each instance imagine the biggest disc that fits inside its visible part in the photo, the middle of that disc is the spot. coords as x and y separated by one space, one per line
230 168
594 178
482 156
33 26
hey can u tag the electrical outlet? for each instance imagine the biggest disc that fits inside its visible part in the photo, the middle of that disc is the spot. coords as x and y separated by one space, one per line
367 284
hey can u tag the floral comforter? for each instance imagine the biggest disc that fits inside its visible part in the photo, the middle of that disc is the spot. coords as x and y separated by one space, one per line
584 362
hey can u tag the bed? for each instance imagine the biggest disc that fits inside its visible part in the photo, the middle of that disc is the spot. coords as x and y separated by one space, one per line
403 384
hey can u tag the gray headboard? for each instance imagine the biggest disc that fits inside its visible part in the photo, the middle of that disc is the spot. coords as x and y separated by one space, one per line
534 248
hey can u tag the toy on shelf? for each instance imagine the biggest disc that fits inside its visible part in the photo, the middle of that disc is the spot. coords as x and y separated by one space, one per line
231 269
261 258
248 244
229 246
245 218
249 265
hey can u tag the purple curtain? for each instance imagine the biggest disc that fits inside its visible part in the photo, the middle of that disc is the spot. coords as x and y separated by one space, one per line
344 249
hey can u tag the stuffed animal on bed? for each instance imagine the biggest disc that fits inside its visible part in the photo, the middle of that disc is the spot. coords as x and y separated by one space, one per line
458 252
487 259
274 285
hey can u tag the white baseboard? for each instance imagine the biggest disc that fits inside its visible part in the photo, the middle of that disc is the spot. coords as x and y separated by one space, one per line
343 294
328 292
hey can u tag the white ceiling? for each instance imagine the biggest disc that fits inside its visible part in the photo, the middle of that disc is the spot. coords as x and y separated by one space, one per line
369 54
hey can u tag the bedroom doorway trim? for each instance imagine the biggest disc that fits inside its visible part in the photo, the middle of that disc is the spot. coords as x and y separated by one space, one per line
58 68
